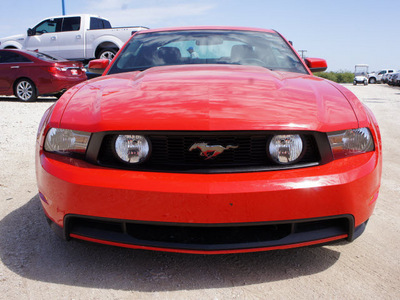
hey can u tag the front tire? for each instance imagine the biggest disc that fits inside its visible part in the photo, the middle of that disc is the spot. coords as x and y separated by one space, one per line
372 80
58 95
25 90
107 53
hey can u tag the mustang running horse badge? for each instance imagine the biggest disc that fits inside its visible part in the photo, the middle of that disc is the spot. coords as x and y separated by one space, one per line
210 151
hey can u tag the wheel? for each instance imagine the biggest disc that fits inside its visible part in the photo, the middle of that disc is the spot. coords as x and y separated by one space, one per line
365 82
372 80
58 95
107 53
25 90
354 82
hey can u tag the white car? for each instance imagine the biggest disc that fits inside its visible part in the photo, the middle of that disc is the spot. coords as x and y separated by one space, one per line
396 79
385 77
392 78
377 77
76 37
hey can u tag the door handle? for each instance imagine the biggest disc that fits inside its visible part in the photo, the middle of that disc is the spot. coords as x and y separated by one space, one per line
53 38
15 67
78 36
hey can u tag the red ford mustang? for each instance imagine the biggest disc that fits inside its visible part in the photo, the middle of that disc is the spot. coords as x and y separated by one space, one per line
208 140
27 74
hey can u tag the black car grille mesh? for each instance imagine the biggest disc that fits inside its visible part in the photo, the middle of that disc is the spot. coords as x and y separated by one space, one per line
171 153
209 237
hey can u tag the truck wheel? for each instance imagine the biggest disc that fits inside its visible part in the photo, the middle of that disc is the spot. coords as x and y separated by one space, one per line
372 80
25 90
107 53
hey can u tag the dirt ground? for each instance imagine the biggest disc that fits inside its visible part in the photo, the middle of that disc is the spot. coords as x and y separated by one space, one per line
35 264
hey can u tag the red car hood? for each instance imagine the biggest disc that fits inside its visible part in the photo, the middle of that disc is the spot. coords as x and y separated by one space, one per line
208 97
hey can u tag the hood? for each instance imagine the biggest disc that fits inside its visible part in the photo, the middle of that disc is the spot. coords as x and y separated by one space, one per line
13 38
208 97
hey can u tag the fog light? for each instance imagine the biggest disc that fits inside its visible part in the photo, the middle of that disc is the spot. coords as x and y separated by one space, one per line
286 149
132 149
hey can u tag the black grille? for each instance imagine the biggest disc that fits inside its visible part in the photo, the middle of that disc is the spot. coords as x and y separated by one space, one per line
250 151
170 152
209 236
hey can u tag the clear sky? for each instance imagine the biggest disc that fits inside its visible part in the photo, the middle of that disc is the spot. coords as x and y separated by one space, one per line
343 32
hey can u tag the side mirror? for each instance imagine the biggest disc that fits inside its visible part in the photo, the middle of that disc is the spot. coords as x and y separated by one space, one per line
98 65
30 32
316 64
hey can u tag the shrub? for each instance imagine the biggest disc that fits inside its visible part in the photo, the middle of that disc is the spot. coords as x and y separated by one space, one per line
339 77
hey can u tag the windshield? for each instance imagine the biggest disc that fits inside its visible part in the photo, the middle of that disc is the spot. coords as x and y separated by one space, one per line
361 71
146 50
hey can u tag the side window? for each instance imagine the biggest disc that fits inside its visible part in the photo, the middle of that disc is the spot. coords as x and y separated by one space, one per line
20 58
4 56
106 24
10 57
51 25
96 23
390 71
381 72
71 24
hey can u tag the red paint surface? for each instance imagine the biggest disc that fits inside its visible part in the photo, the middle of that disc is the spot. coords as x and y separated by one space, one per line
209 97
344 186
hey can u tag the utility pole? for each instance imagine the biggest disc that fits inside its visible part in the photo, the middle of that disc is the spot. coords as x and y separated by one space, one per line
302 53
63 8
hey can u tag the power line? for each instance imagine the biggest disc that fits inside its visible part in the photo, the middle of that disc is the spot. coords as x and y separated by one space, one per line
302 53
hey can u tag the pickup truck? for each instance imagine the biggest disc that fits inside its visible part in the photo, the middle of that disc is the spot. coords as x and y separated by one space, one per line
377 77
76 37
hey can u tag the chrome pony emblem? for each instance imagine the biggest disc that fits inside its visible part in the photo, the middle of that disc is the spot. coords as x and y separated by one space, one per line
210 151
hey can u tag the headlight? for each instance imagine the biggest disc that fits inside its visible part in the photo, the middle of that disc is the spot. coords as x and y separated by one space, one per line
132 148
351 142
286 149
66 141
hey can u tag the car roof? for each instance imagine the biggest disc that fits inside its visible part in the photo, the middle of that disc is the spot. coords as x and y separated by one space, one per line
21 51
16 50
31 55
207 28
77 15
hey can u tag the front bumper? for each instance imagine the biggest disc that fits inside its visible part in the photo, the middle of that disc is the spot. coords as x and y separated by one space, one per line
344 190
360 79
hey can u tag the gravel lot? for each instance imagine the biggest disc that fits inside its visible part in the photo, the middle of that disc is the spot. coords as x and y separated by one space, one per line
35 264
